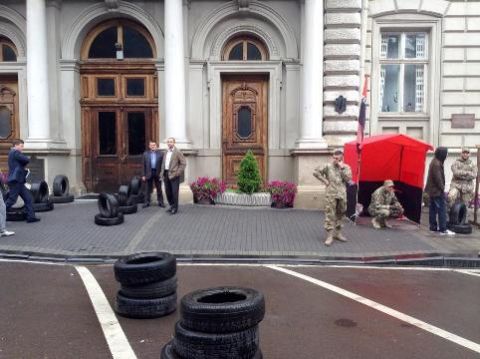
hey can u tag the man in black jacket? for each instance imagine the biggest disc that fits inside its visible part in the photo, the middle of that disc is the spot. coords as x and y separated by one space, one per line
17 175
435 189
152 163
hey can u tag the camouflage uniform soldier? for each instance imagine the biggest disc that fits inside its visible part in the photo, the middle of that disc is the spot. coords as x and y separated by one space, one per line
384 204
464 173
336 176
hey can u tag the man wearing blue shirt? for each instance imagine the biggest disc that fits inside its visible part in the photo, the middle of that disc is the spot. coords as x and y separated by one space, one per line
17 175
152 162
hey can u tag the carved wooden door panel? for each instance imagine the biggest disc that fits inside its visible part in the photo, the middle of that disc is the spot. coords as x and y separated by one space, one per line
117 141
9 127
244 124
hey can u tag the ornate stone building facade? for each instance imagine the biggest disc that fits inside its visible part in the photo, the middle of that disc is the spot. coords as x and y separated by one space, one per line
88 83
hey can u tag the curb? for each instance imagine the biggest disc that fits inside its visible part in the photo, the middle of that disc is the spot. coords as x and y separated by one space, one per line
447 260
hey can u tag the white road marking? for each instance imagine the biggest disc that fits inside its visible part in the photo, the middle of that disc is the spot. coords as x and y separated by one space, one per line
116 339
384 309
468 272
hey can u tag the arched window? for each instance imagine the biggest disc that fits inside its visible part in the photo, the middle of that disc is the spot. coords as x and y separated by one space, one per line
8 52
245 48
118 39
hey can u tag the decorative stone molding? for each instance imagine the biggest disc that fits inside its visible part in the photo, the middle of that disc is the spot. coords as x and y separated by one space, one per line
229 10
222 38
94 14
112 4
243 199
436 8
16 32
243 5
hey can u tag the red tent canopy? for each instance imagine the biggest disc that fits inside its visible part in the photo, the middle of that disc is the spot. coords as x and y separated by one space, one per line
394 156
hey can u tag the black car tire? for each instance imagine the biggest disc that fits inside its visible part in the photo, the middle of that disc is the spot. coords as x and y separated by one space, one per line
222 309
462 228
144 268
128 209
145 308
123 194
168 352
62 199
151 290
108 221
16 215
196 345
43 207
107 205
135 185
39 191
61 186
458 214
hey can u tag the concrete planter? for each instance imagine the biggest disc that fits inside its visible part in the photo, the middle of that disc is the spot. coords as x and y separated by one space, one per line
261 199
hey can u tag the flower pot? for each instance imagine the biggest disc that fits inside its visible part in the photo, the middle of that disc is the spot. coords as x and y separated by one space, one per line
279 205
204 201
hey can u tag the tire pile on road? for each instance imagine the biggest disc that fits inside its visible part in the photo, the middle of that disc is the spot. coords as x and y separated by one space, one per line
109 213
41 196
218 323
61 190
148 285
458 219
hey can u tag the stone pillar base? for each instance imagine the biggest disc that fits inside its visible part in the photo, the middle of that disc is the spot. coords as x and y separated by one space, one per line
311 192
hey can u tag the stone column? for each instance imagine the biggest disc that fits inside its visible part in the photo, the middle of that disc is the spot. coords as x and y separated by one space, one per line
37 72
175 104
312 79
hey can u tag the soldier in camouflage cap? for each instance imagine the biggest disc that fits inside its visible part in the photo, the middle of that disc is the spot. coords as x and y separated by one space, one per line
462 186
335 175
384 204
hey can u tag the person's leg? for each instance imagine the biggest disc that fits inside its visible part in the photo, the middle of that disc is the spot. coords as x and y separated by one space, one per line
442 213
175 188
329 225
432 214
452 197
158 186
168 190
13 191
339 214
3 215
148 191
27 199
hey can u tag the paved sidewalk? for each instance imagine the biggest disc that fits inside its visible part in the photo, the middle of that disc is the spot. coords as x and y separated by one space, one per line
196 231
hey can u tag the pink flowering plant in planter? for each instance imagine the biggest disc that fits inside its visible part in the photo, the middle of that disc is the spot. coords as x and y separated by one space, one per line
282 192
206 189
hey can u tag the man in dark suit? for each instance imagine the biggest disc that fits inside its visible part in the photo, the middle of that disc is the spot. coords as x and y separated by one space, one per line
17 175
173 168
152 163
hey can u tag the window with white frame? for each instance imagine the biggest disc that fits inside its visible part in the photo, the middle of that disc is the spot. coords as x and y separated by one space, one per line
404 61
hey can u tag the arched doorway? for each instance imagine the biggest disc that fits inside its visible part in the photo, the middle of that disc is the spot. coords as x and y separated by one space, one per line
9 119
119 101
245 105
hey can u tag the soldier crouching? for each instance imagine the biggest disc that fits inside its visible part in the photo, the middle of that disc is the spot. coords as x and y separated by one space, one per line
335 175
384 204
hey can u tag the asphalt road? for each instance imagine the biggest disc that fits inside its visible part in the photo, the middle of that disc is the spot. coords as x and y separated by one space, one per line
46 312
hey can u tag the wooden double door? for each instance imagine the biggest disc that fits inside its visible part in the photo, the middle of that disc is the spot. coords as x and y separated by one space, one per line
117 138
9 124
244 123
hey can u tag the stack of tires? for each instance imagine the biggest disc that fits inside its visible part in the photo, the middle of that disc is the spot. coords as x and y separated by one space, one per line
109 213
458 219
41 196
136 194
218 323
126 204
148 285
61 190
